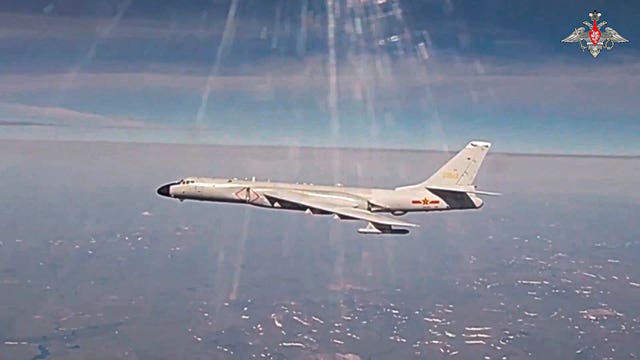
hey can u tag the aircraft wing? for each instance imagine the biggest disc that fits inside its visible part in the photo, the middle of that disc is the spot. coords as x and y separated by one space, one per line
376 218
360 214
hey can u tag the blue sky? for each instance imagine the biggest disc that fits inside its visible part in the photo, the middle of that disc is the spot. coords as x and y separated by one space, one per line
408 74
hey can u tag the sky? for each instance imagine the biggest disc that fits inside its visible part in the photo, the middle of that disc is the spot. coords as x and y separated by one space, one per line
413 74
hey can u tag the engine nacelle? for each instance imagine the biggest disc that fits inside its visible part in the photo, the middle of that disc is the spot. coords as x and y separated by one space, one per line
373 207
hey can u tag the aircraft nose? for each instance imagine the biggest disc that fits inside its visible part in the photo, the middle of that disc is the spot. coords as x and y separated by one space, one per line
164 190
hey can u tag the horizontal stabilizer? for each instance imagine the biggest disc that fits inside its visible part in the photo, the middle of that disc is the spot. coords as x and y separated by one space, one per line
466 190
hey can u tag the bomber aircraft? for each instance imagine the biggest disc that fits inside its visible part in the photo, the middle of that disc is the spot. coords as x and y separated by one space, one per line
450 188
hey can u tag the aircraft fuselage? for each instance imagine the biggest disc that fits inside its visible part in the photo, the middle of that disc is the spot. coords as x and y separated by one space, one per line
251 192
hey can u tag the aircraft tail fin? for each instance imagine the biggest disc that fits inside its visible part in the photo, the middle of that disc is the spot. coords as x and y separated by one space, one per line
461 170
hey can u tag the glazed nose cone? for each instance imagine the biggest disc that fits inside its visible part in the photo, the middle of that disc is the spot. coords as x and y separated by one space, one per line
165 190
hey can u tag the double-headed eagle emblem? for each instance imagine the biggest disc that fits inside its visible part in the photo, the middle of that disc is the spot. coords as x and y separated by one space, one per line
594 39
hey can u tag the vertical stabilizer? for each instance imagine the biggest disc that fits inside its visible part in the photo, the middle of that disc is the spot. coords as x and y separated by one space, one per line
462 169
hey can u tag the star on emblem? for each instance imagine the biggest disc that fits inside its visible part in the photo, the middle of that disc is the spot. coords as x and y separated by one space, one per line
425 201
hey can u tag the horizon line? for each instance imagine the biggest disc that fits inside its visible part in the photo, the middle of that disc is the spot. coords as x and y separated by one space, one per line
320 147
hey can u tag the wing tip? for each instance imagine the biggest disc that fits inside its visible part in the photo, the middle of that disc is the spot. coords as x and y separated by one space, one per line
409 225
478 143
488 193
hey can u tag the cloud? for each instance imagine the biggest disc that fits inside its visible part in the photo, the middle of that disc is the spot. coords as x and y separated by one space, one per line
30 27
483 83
12 114
23 123
17 26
